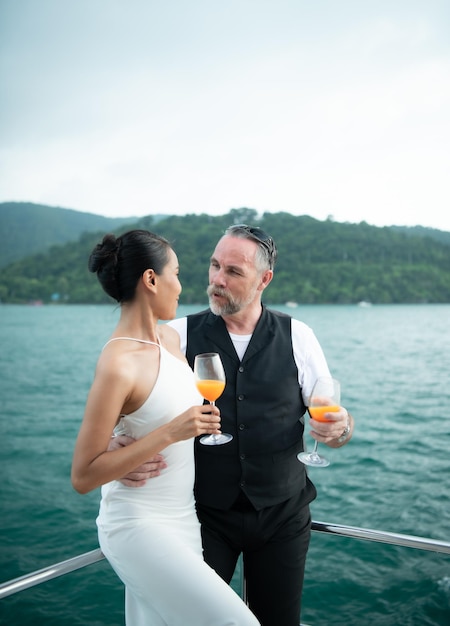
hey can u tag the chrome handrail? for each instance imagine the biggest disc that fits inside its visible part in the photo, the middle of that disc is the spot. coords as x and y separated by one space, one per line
48 573
397 539
88 558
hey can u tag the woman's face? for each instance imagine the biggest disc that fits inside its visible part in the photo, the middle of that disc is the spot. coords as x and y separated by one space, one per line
169 288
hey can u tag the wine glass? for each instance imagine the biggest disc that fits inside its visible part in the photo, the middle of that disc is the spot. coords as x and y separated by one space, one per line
325 398
210 380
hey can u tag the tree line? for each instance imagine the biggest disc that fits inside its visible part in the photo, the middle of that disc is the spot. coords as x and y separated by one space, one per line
319 262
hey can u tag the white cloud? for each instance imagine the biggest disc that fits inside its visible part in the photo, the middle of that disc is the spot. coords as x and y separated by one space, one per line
331 112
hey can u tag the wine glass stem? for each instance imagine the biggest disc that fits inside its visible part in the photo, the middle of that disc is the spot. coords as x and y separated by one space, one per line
314 452
212 403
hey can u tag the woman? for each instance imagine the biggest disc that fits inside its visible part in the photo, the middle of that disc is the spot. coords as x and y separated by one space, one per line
143 387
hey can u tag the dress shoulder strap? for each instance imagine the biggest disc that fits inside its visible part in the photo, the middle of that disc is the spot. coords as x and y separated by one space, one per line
152 343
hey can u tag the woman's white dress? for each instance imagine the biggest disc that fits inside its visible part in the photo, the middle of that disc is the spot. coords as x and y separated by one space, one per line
151 534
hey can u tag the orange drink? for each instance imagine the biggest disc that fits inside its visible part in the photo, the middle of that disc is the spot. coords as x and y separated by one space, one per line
317 412
210 389
210 378
325 398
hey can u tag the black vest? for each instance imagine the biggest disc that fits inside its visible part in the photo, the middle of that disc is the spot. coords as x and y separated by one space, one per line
261 407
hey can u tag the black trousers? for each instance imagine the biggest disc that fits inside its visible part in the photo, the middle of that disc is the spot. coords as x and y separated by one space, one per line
274 543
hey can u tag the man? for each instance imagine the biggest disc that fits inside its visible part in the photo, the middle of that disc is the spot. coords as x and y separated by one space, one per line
252 493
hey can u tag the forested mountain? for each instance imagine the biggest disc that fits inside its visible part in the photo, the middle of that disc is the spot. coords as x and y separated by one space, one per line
318 262
27 228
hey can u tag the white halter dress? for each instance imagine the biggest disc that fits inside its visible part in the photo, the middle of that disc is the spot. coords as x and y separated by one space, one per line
151 534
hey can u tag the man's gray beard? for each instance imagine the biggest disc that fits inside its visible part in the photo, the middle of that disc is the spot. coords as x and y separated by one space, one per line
231 306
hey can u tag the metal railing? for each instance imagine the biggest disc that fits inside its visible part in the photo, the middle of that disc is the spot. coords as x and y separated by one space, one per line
88 558
381 536
48 573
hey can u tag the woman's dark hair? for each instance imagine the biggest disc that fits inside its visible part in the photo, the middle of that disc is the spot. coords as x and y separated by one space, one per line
119 262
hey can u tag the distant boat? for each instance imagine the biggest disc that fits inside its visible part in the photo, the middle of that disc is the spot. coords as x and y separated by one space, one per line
291 304
364 304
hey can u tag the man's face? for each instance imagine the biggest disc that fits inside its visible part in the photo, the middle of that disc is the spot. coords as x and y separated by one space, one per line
234 280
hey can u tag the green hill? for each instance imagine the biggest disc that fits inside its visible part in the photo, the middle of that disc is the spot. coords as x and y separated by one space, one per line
319 261
28 228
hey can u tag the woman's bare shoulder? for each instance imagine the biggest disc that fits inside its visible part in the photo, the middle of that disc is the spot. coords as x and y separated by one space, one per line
169 337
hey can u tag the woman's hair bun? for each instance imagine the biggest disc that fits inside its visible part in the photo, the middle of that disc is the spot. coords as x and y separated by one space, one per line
120 262
104 253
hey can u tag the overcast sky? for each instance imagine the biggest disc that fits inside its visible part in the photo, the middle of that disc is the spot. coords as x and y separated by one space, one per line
316 107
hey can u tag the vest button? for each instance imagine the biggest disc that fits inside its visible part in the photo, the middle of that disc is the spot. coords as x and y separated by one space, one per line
241 369
241 426
242 484
240 396
242 457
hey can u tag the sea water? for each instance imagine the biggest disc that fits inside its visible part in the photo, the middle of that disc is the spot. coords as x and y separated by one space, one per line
394 366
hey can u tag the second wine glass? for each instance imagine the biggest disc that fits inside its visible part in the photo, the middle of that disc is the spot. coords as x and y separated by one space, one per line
325 398
210 380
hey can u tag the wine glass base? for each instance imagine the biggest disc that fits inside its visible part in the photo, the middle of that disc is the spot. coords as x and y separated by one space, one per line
216 440
313 459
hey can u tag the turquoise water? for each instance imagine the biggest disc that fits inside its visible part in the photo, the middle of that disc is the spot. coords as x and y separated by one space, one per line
394 366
